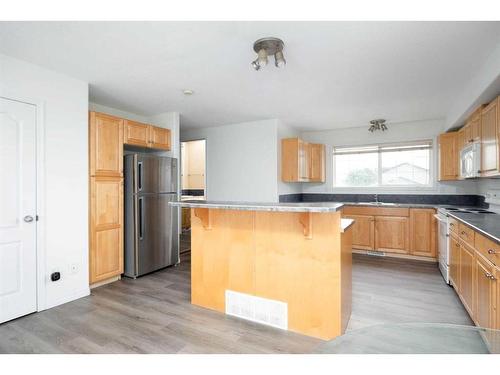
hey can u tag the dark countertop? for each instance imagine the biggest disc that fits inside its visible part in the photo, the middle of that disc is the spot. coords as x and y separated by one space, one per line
487 224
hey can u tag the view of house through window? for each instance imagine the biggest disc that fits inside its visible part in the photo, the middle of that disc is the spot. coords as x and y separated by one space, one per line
404 164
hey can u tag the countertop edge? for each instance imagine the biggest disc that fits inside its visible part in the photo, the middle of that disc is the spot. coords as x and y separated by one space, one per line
276 207
482 231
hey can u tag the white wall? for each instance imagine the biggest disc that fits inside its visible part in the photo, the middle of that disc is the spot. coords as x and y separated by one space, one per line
481 88
419 130
64 222
242 160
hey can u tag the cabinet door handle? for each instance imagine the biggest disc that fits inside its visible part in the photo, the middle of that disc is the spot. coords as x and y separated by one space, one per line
141 218
491 251
490 276
139 176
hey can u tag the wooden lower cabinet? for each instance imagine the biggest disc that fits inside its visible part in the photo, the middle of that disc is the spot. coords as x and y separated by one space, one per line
454 261
363 232
475 278
106 228
423 232
400 230
497 297
391 234
485 288
466 284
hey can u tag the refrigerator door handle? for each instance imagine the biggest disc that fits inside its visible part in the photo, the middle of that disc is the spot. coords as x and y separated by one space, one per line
139 176
141 217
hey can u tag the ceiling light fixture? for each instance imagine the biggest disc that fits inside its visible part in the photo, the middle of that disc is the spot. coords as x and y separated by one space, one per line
378 124
265 47
188 92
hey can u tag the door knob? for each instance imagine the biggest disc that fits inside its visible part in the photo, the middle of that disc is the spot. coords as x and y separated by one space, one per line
28 219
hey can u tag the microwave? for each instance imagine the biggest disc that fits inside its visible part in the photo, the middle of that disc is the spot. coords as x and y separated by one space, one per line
470 161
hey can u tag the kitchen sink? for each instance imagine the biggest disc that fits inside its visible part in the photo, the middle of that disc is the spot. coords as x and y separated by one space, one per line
380 204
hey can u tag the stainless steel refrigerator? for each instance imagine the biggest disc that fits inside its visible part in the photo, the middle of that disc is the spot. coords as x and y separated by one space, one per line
151 225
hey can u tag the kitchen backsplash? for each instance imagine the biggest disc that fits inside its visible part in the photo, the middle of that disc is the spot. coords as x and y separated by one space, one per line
459 200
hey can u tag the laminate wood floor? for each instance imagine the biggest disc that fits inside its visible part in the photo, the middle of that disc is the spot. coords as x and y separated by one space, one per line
153 314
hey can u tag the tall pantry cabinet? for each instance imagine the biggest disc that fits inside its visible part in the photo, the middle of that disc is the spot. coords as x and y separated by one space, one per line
106 197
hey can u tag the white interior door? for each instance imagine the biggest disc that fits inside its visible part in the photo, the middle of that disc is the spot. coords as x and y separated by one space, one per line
17 209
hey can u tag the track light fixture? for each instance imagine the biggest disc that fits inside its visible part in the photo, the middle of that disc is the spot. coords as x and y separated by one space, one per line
265 47
378 124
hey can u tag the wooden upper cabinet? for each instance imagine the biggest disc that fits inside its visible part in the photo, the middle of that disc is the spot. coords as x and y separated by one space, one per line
467 131
317 162
485 285
454 261
448 156
490 138
391 234
423 232
460 139
105 145
466 285
136 133
302 161
304 157
363 231
159 138
476 131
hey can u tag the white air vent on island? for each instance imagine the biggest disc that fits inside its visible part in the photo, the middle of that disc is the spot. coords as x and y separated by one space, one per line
257 309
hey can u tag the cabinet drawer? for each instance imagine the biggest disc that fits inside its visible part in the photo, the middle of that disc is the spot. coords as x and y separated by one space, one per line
376 211
487 248
453 225
466 234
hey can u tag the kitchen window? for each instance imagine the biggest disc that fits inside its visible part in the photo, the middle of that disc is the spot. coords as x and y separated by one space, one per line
385 165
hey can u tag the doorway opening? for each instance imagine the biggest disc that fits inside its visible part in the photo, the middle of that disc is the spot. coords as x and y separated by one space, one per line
193 183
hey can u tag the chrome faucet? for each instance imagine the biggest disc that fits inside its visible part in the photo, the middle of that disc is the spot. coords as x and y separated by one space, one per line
376 198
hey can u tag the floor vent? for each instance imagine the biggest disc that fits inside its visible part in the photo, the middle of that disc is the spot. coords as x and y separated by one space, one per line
257 309
376 253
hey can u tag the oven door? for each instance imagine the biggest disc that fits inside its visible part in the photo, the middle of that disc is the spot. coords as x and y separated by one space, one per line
443 246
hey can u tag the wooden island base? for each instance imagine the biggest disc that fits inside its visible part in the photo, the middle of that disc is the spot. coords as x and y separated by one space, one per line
299 258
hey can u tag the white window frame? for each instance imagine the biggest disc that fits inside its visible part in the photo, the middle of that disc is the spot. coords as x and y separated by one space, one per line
432 180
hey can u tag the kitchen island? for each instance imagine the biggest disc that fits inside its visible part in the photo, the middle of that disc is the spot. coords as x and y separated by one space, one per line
287 265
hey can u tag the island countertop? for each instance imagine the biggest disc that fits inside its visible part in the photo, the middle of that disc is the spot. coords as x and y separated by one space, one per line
262 206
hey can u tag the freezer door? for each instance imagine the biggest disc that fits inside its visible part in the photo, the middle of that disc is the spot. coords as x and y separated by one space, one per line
146 174
158 243
167 175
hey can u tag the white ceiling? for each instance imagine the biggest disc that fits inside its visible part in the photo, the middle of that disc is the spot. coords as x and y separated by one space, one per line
338 74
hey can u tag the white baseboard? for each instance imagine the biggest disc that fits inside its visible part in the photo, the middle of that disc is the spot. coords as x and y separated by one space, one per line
67 298
395 255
